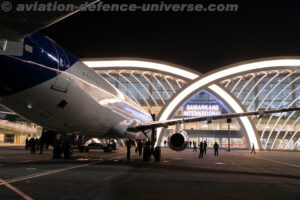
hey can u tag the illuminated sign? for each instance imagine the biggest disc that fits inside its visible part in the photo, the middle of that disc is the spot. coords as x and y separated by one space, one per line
201 110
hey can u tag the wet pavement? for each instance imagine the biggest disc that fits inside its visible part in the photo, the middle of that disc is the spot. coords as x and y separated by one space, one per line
179 175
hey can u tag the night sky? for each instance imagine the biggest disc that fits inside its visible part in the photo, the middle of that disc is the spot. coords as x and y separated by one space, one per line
200 40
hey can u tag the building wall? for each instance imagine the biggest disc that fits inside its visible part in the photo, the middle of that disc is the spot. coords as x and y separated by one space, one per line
16 132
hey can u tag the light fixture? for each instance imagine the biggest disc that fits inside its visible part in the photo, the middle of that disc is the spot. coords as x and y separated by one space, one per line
142 64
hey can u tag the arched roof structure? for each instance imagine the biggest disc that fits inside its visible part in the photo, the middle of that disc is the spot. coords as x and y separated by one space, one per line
226 83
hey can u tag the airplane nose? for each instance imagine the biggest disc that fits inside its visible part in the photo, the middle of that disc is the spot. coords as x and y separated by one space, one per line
17 75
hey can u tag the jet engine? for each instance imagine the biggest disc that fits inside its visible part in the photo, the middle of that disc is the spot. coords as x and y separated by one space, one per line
178 140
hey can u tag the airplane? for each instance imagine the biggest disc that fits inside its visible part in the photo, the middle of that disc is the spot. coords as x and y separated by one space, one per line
42 82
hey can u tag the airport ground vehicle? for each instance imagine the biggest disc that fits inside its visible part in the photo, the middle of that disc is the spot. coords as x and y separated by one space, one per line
95 143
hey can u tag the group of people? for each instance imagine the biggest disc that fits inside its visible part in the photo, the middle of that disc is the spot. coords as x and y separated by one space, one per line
34 144
138 149
203 147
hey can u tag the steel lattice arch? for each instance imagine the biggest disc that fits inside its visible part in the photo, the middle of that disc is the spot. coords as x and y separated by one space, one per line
163 88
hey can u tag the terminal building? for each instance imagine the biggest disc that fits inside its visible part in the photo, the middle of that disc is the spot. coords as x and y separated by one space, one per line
172 91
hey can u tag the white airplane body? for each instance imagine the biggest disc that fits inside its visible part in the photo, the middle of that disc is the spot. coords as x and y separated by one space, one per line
93 106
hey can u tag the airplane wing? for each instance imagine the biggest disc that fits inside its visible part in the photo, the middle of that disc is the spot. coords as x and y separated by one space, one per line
166 123
16 23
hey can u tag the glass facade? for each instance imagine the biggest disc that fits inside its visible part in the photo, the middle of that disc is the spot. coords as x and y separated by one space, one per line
276 89
149 89
16 132
261 90
204 104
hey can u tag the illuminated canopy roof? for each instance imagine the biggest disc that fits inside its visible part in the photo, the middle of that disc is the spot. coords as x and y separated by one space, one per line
241 87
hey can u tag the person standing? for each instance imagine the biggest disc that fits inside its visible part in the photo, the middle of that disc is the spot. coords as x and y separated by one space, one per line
37 142
128 145
140 147
147 151
165 143
216 147
27 142
205 146
201 148
32 142
253 149
136 146
195 146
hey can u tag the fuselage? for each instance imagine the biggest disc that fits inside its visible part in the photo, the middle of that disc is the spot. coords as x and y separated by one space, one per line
52 88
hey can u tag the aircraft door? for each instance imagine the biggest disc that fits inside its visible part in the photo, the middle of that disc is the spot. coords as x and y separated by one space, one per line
62 81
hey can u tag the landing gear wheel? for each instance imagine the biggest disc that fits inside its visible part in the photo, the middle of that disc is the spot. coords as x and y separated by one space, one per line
157 154
57 151
146 154
68 151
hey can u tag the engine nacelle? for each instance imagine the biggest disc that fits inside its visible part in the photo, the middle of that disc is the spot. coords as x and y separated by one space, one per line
178 140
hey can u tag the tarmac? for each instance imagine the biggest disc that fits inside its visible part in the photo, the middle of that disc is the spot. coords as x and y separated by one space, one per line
179 175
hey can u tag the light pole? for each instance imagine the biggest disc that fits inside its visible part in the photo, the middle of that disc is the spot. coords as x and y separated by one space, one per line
229 121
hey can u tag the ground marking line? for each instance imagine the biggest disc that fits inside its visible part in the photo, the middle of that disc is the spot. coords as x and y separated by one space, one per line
46 173
25 196
277 161
25 161
51 172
